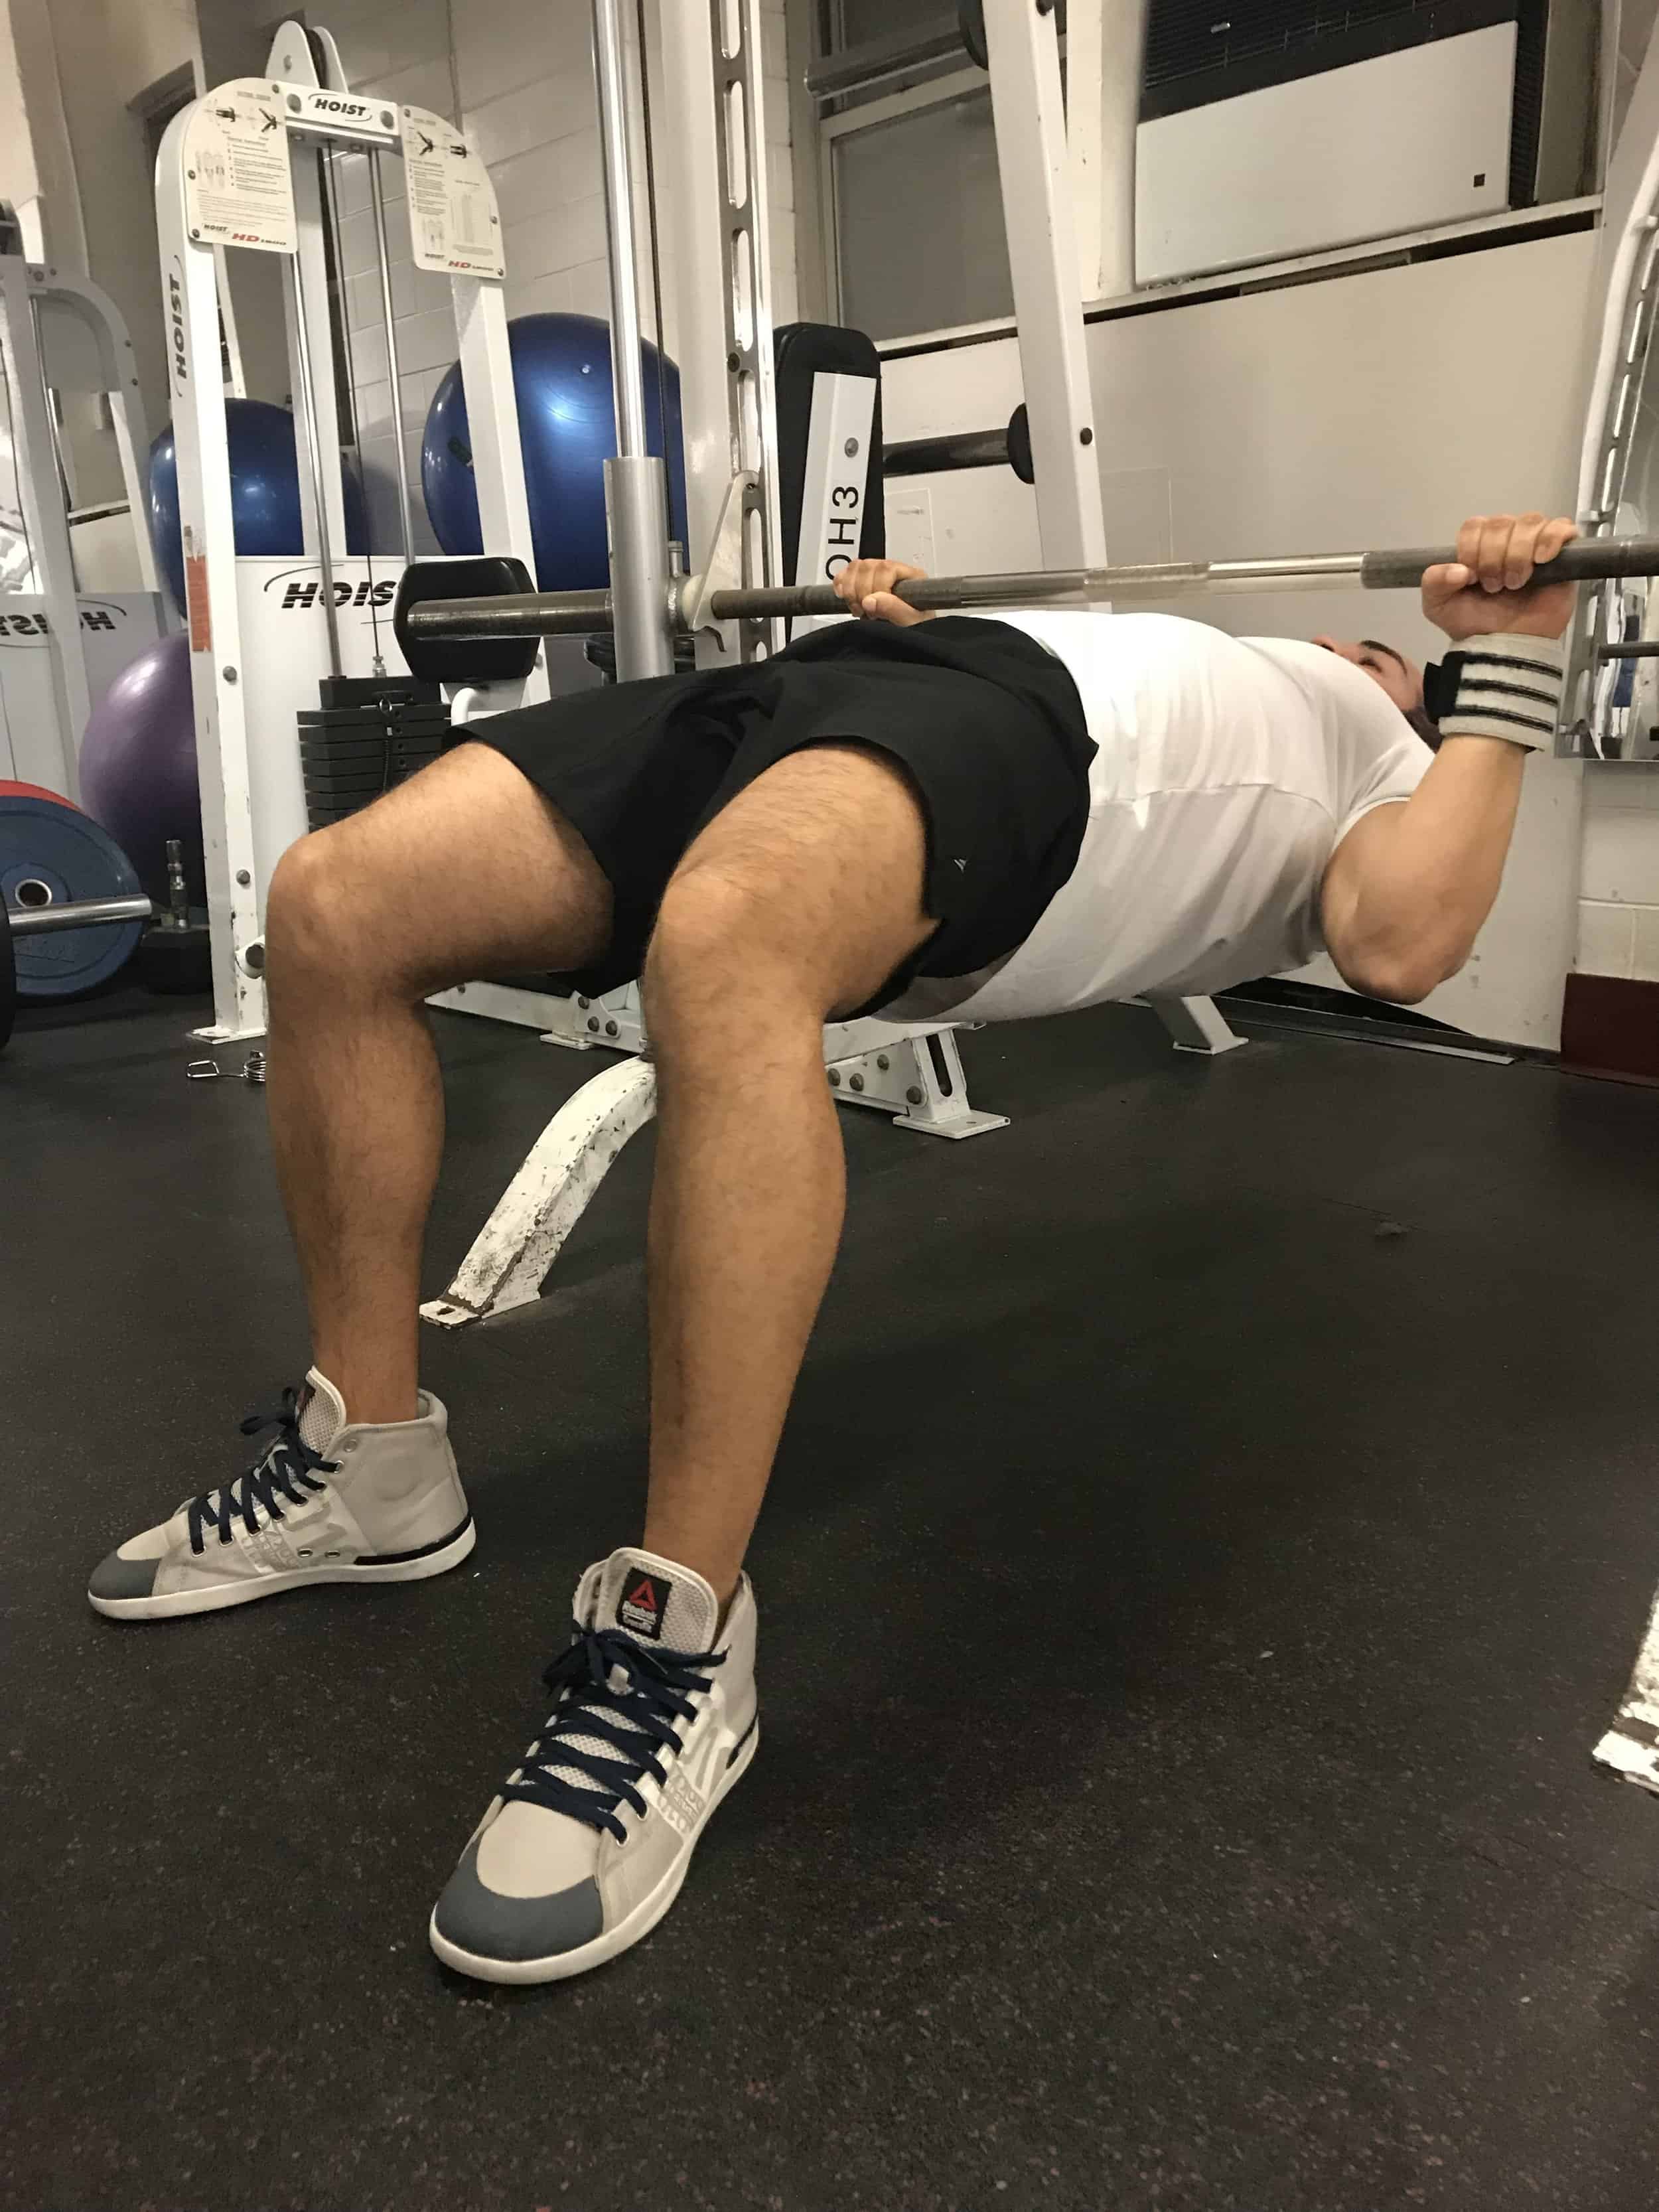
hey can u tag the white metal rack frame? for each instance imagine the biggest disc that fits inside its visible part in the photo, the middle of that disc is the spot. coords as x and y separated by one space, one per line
59 334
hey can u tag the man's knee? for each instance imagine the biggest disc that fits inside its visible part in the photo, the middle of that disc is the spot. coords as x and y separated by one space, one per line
718 935
321 913
301 890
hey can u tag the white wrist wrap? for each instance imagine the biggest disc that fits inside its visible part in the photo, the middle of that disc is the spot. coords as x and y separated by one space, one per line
1508 687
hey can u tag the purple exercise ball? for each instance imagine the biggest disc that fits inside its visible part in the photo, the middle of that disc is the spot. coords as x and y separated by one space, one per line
138 766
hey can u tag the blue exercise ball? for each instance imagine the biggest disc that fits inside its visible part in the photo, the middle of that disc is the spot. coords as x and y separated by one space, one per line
264 491
567 429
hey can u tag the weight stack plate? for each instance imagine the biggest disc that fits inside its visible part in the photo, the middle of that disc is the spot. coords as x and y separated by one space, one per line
349 754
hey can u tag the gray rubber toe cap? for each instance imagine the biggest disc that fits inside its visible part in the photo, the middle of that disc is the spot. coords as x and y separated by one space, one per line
115 1577
479 1920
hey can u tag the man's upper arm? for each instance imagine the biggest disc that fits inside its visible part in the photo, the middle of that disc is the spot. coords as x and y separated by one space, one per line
1361 852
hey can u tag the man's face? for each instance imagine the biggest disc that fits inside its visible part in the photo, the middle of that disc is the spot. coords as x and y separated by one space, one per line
1401 679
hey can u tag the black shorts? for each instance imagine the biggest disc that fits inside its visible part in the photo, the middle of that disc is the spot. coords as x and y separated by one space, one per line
987 722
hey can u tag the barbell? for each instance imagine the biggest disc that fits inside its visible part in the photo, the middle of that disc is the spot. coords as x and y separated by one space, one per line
74 914
424 620
37 921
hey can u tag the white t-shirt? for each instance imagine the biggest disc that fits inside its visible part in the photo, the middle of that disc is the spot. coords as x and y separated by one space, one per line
1228 769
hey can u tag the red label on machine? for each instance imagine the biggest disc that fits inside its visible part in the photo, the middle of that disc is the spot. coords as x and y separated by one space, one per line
196 601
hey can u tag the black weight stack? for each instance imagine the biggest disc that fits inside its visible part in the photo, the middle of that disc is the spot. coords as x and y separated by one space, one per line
369 734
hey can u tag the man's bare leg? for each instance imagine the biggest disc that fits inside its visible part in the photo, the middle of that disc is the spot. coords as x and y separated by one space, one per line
463 872
798 900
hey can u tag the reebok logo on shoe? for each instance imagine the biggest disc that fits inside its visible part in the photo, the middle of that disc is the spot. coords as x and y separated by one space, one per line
643 1604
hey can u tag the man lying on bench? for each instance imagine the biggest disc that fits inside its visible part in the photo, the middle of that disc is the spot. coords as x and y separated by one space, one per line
990 818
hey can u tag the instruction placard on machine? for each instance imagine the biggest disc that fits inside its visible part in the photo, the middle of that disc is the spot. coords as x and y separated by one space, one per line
453 224
238 189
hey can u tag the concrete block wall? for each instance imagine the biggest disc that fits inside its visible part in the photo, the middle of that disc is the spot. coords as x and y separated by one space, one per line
517 74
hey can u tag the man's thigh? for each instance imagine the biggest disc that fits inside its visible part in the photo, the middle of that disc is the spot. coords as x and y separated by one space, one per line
820 864
464 870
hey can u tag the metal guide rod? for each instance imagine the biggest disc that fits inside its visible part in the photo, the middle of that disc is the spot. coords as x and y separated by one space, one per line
636 482
552 614
628 380
389 324
314 460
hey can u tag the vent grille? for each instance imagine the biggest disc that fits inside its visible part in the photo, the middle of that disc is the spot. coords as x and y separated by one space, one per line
1185 37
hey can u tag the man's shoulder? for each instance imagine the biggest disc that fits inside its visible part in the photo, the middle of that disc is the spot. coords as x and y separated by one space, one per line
1353 703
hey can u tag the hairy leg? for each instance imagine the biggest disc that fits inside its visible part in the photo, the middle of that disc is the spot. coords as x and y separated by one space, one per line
798 901
463 872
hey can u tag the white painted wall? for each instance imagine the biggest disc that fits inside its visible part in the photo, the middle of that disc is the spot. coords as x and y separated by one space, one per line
20 178
520 76
1370 410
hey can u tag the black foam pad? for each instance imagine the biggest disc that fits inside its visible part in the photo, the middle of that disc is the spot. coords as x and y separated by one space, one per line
801 350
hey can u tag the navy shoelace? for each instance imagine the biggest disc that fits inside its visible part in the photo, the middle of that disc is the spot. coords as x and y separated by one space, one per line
637 1718
288 1470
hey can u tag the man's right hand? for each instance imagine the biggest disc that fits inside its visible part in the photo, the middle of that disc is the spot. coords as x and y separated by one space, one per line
867 588
1489 588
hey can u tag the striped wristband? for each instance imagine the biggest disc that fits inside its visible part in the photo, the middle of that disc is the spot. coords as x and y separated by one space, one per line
1508 687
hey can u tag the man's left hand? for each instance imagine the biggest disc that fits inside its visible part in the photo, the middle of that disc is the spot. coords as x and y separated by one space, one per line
1489 586
867 588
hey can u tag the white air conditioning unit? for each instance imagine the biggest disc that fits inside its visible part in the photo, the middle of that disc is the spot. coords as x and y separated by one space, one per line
1406 142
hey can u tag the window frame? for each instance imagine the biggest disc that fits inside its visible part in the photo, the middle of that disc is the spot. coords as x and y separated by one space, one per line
940 92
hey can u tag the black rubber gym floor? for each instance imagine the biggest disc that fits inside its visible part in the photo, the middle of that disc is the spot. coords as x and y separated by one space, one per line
1188 1603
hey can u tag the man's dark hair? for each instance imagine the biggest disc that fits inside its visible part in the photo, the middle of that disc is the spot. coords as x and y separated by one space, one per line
1419 718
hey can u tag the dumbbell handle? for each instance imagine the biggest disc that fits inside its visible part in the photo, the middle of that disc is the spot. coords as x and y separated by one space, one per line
76 914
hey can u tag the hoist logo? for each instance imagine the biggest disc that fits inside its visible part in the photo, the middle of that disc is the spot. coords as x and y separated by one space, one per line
308 594
176 325
843 526
95 615
340 106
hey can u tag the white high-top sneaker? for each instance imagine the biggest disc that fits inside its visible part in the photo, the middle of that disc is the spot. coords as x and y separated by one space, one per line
330 1501
654 1720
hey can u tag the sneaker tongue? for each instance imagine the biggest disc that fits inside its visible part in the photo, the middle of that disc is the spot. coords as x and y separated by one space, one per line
322 1413
657 1603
